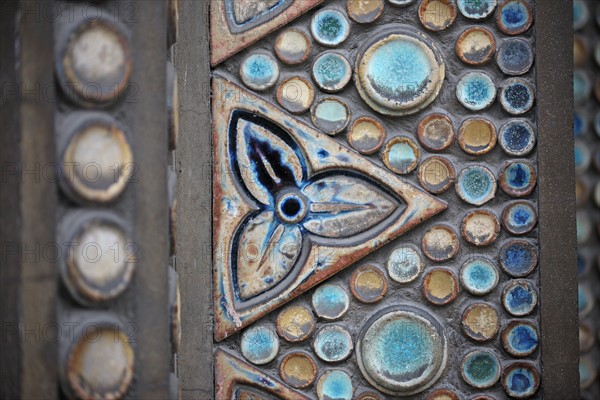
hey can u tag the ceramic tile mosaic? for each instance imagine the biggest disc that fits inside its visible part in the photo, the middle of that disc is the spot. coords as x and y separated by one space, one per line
375 199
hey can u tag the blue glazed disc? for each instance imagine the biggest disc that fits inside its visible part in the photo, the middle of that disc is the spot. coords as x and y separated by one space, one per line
515 56
514 17
518 258
521 380
520 338
518 178
517 138
519 218
476 185
333 343
260 344
580 124
335 385
476 91
519 298
479 276
517 96
331 72
476 9
481 369
330 301
259 71
329 27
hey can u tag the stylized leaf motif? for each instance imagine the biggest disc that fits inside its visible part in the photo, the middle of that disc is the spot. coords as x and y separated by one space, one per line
343 206
267 251
266 163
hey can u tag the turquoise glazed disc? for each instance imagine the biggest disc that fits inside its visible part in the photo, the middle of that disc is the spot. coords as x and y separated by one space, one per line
476 185
330 301
479 276
481 369
333 343
476 91
260 344
402 350
335 385
476 9
329 27
331 72
399 72
259 71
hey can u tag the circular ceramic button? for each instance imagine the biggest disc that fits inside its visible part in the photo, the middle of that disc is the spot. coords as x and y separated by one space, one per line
440 286
517 96
298 370
476 91
514 17
480 227
476 9
293 46
436 174
402 350
480 322
518 258
295 323
405 264
479 276
331 72
368 284
330 115
335 384
582 87
440 243
401 155
518 178
259 71
520 338
515 56
364 12
94 64
519 298
475 46
366 135
580 51
330 301
477 136
260 344
329 27
333 344
296 94
437 15
587 372
476 185
517 138
481 369
581 14
386 63
521 380
587 338
436 132
519 218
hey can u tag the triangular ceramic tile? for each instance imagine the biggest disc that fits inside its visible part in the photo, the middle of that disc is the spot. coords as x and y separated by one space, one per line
291 207
234 377
236 24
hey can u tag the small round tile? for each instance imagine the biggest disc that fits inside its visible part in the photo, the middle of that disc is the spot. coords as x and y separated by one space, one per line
298 370
520 380
296 94
477 136
333 343
436 174
515 56
517 138
580 51
587 338
401 155
405 264
402 350
368 284
260 344
475 46
476 91
517 96
480 322
581 14
586 300
520 338
580 124
330 301
295 323
481 369
442 394
519 217
329 27
437 15
364 11
335 384
476 185
366 135
582 87
259 71
331 115
293 46
476 10
518 178
519 297
587 372
480 227
583 157
440 243
479 276
331 72
514 17
440 286
436 132
518 258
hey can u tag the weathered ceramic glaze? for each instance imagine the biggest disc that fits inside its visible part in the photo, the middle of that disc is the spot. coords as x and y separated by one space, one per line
366 135
517 138
331 72
518 178
519 217
331 115
329 27
479 276
330 301
260 344
475 46
518 258
298 370
440 286
517 96
259 71
401 155
519 298
335 385
436 174
514 17
333 343
520 338
405 264
436 132
364 12
293 46
476 91
437 15
515 56
477 136
481 369
476 9
520 380
481 322
480 227
440 243
476 185
368 284
295 323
